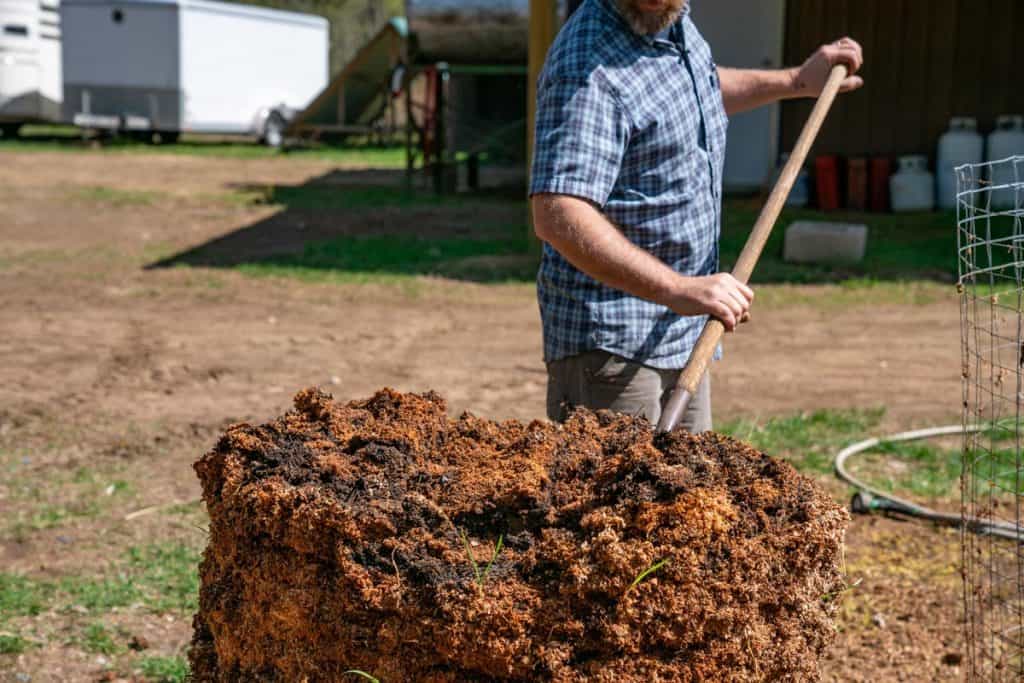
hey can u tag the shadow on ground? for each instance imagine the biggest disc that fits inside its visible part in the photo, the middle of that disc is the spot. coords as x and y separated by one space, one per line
364 223
367 222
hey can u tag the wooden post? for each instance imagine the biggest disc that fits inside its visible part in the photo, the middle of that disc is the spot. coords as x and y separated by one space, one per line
543 27
473 172
410 123
340 99
441 129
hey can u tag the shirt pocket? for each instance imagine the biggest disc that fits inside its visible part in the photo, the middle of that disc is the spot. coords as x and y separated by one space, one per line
665 146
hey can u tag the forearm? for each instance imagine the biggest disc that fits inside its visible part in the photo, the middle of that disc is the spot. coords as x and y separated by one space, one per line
591 243
746 89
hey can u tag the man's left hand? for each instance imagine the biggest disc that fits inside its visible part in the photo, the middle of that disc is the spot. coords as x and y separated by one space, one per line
809 80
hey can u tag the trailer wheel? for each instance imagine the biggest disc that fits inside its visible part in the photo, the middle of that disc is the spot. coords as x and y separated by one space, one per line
9 131
273 130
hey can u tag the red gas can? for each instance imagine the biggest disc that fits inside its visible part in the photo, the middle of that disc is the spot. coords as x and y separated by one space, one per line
857 184
881 169
826 176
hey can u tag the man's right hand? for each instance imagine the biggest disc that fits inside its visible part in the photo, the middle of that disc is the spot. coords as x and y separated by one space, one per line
721 296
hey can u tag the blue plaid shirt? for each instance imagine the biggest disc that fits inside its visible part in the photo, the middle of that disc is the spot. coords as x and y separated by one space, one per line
637 126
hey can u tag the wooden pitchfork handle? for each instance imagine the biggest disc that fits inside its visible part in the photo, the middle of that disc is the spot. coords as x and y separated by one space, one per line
702 353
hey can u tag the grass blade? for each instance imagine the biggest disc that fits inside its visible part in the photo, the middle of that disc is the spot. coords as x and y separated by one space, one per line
645 573
472 560
494 556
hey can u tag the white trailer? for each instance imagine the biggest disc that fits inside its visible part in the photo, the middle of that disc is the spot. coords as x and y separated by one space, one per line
30 63
163 67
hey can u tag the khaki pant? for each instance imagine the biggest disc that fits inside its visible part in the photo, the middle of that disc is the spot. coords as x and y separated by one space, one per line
598 379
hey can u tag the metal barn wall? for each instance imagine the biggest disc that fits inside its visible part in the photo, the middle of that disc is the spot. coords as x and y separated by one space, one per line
926 60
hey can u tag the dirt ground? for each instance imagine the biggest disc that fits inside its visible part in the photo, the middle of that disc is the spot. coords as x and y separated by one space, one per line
133 372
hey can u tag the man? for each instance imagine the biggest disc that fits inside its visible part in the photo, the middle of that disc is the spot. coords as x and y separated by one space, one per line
626 194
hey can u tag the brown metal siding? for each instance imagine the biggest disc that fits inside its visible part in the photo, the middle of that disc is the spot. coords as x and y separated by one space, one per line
926 60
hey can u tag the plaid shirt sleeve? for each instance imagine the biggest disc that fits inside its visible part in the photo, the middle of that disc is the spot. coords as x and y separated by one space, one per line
582 133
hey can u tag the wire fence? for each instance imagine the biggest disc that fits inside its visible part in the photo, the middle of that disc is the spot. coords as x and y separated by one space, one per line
990 252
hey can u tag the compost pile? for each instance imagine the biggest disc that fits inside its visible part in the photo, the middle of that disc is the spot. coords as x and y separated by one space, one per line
383 536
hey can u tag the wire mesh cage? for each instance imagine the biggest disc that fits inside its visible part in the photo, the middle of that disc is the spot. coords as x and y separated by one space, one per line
990 248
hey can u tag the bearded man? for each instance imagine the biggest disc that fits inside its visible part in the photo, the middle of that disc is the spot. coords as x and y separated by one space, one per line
626 194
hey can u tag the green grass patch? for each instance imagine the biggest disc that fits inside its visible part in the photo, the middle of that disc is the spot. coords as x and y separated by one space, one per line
49 131
925 470
97 639
13 644
38 257
88 497
920 470
903 249
48 516
116 196
917 467
808 440
360 259
167 575
21 596
68 139
92 264
100 594
900 246
854 292
84 475
162 577
164 669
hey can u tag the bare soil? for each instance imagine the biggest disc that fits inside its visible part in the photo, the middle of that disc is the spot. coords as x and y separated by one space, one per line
133 372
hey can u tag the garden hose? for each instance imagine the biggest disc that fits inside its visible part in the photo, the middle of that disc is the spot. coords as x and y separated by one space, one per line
869 499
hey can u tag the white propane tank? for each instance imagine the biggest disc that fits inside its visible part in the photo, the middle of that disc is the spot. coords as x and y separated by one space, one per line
912 187
961 144
1005 141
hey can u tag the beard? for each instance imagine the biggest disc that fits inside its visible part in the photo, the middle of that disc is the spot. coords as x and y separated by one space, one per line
645 22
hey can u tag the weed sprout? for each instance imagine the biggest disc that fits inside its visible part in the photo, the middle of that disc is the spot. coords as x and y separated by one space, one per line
481 576
646 573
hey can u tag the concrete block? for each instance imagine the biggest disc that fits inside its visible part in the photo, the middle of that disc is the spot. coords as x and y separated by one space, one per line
825 243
